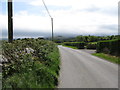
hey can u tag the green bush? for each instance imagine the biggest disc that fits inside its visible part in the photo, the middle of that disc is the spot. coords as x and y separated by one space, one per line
91 46
109 47
79 45
37 69
101 45
115 47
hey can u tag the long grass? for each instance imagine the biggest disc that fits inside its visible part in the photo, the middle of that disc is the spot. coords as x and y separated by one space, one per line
110 58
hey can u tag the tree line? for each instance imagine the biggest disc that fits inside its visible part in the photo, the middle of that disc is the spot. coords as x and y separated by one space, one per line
89 38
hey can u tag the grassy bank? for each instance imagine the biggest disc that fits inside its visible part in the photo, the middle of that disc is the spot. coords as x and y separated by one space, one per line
36 68
110 58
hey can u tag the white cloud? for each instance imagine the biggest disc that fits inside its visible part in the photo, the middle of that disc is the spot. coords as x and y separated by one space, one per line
77 4
3 21
16 0
78 19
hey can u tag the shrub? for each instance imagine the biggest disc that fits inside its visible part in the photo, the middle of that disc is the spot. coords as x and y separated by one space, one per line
79 45
106 50
36 69
101 45
91 46
109 46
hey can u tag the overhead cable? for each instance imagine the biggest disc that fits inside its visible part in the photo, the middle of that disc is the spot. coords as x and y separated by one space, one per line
46 9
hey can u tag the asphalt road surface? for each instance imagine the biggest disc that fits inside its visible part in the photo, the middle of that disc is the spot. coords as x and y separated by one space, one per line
80 69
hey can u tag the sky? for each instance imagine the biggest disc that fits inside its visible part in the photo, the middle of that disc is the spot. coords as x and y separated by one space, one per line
72 17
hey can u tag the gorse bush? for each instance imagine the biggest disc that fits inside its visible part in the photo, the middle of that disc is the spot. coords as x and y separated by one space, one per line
109 46
91 45
32 63
79 45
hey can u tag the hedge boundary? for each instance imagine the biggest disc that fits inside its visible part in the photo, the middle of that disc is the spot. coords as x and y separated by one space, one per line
109 47
79 45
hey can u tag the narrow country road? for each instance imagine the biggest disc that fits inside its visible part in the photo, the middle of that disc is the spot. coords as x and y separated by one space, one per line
79 69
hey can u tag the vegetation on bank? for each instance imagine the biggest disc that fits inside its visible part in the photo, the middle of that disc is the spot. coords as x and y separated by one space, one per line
109 47
109 50
73 47
108 57
32 63
90 42
86 39
79 45
91 45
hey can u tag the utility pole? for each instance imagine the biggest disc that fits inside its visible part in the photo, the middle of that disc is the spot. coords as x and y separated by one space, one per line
50 17
52 29
10 22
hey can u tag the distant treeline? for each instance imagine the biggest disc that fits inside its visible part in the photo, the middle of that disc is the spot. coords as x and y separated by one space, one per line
102 44
86 38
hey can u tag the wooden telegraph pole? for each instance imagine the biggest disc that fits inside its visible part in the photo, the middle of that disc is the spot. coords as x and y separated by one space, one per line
10 22
52 29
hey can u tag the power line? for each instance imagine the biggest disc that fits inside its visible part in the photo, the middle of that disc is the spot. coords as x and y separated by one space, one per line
46 9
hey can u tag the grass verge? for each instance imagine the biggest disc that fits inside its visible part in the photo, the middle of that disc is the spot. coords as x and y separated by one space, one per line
71 47
110 58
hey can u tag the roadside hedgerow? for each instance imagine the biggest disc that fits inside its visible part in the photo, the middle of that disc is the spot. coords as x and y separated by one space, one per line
31 63
91 45
79 45
109 46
